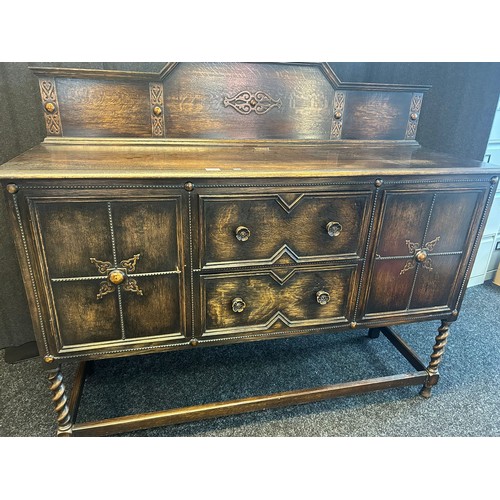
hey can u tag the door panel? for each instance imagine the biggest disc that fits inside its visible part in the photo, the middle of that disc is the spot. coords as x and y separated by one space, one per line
114 267
149 229
72 233
422 239
156 312
81 318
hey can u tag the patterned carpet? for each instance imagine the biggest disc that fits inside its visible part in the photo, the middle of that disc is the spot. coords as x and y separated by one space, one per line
466 402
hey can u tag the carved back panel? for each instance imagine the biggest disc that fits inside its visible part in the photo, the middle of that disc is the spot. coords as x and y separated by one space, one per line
226 101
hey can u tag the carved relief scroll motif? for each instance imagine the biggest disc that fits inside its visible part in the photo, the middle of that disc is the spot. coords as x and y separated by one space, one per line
338 115
415 106
420 255
157 107
245 102
50 106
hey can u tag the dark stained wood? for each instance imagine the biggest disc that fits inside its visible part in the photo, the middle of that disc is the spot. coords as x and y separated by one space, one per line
149 228
73 231
158 311
292 225
195 109
217 101
376 115
216 163
437 354
275 299
390 291
77 390
303 206
237 406
436 287
93 108
439 220
81 318
450 215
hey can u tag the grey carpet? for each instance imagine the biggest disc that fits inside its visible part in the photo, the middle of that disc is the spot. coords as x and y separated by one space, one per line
466 401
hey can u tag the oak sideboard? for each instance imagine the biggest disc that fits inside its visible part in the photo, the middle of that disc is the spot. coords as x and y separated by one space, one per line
217 203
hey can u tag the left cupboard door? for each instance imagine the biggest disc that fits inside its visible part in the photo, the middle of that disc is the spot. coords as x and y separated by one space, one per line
112 270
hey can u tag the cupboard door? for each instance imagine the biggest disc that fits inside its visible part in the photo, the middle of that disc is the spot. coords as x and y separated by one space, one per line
420 257
113 267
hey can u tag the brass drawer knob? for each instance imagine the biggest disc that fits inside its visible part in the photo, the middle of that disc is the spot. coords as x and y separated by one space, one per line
322 297
116 276
242 233
421 255
333 228
238 305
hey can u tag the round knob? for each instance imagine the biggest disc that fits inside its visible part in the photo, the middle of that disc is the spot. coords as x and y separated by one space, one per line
322 297
157 110
421 255
238 305
50 107
337 115
116 276
333 228
414 116
242 233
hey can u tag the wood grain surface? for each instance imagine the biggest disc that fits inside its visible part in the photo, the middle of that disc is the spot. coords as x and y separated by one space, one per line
94 108
275 301
48 161
292 224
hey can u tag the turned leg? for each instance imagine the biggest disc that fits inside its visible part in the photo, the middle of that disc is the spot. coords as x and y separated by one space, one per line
374 333
60 400
436 356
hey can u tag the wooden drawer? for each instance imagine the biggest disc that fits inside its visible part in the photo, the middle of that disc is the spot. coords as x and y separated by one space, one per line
291 227
276 299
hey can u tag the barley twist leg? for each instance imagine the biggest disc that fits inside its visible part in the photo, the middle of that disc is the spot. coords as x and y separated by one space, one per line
60 400
436 356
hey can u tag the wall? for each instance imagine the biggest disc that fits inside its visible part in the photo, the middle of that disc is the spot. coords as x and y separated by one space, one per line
457 113
456 118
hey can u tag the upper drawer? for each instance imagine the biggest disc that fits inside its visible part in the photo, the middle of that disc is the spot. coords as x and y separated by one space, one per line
263 229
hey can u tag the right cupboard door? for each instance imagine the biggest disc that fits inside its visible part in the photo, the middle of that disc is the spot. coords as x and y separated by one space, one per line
421 255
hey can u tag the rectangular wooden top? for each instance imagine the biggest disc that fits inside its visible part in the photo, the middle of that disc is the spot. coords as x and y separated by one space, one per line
56 161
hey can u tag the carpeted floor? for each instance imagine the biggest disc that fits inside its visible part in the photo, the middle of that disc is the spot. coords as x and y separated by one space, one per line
466 401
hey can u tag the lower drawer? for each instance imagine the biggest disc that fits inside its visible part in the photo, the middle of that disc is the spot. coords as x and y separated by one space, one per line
276 299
